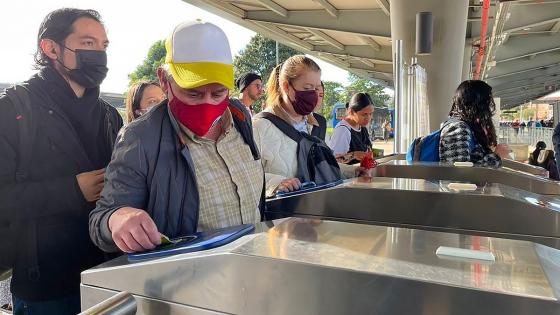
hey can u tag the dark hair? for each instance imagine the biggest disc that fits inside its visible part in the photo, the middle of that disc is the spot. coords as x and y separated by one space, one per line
541 145
322 85
359 101
473 103
56 26
133 98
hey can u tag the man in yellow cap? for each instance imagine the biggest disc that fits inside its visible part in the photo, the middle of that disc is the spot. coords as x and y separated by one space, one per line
191 163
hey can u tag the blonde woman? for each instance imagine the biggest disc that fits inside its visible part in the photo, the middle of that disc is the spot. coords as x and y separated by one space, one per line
292 96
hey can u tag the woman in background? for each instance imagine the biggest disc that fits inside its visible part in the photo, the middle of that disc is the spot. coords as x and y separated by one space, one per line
469 134
350 139
142 96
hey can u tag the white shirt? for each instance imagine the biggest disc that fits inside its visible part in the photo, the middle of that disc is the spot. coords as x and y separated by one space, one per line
341 137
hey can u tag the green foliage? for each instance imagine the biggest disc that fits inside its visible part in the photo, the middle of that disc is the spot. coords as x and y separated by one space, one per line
148 69
357 84
334 94
259 56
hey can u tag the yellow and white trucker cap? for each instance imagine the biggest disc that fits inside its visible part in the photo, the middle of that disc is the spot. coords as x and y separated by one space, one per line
198 54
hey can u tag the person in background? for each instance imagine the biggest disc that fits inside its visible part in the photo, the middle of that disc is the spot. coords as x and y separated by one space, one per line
251 88
469 135
547 161
142 96
50 191
534 156
522 127
190 164
350 140
292 96
386 130
544 158
515 125
320 131
556 142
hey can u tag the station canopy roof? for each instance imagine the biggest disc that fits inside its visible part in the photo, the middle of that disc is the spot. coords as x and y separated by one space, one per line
523 38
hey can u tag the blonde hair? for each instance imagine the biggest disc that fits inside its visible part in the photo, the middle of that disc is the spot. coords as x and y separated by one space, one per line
289 70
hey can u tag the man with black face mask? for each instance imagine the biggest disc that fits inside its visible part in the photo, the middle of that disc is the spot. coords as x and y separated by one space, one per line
56 138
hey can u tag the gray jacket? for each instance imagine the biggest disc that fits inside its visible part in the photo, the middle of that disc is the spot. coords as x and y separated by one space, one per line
151 170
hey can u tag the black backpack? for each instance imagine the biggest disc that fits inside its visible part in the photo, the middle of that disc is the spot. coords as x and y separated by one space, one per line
11 231
321 130
316 161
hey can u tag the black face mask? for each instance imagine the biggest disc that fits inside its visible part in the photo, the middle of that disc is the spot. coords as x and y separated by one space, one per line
91 67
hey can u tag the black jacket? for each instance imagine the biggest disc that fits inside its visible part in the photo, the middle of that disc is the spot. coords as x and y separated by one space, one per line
48 204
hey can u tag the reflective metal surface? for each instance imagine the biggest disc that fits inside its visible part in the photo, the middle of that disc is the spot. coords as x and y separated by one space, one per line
391 157
491 210
145 305
507 163
119 304
305 266
503 175
523 167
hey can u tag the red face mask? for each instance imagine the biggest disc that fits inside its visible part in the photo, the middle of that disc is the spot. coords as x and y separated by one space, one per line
198 118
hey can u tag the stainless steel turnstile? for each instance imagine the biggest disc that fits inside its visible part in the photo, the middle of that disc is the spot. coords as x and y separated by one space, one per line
507 163
504 175
526 168
492 209
312 267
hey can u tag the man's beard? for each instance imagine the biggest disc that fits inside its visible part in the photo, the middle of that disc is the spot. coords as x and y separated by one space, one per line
254 98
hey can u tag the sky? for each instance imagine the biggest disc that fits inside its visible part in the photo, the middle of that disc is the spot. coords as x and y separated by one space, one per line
132 27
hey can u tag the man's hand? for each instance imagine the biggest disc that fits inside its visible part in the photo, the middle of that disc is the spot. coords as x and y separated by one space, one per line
91 184
133 230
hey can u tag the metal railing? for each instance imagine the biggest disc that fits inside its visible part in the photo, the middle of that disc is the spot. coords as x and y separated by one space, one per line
120 304
527 135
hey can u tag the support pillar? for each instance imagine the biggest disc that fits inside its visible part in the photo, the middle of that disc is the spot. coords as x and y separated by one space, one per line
444 66
466 73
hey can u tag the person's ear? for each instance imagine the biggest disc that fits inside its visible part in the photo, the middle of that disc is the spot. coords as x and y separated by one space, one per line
163 81
49 48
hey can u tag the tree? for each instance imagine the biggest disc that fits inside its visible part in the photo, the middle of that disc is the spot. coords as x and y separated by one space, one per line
334 94
259 56
357 84
148 69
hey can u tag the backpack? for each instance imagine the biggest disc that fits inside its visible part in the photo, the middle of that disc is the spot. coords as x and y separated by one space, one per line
316 161
321 130
243 123
19 97
426 148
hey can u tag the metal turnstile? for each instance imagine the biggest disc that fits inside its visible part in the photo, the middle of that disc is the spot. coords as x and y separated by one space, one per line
507 163
492 209
311 267
396 167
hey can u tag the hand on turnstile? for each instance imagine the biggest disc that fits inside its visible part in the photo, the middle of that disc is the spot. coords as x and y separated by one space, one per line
290 184
133 230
